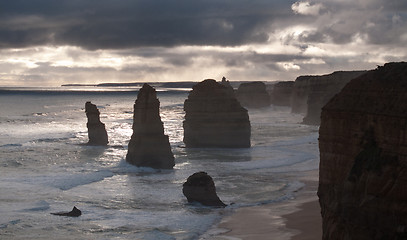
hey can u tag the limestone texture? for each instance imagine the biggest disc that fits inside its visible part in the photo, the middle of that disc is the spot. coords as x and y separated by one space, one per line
363 157
148 146
200 187
253 95
281 93
214 118
96 129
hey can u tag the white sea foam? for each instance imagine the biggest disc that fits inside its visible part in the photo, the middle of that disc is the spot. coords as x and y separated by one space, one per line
46 168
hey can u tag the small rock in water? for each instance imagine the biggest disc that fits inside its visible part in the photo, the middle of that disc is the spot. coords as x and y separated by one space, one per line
74 213
200 187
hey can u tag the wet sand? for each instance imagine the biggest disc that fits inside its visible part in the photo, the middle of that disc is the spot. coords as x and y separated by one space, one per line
295 219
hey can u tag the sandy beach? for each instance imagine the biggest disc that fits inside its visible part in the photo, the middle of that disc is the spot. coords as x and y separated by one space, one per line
295 219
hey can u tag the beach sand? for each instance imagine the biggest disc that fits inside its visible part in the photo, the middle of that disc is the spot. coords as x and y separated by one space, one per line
295 219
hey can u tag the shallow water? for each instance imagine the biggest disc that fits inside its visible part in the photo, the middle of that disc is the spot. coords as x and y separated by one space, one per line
45 168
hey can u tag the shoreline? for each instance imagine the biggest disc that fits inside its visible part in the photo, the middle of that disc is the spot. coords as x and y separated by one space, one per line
295 219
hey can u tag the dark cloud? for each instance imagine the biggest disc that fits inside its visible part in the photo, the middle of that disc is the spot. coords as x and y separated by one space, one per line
124 24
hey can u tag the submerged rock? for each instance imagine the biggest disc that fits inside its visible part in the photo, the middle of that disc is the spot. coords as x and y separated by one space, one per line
363 157
200 187
148 146
214 118
74 213
253 95
96 129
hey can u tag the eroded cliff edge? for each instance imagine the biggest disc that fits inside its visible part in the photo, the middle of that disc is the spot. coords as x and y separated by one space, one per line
311 93
363 157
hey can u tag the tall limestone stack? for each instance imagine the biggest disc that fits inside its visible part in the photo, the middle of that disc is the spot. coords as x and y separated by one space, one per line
253 95
363 150
96 129
281 93
148 146
214 118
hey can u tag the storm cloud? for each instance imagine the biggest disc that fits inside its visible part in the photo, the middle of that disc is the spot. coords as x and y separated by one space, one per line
108 24
90 41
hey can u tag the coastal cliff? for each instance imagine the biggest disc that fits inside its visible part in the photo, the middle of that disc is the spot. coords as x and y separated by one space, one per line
310 93
96 129
214 118
148 146
363 157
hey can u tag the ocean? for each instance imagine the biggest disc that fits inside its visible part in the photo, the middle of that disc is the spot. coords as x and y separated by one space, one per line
45 167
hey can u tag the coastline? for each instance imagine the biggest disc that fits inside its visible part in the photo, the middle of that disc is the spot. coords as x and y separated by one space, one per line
295 219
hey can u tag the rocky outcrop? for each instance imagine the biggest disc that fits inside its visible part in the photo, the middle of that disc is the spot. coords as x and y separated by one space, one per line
214 118
310 93
96 129
281 93
200 187
148 146
363 157
74 213
253 95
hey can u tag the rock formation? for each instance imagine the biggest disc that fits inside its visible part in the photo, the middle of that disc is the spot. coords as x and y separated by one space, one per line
200 187
74 213
281 93
363 150
310 93
148 146
253 95
96 129
214 118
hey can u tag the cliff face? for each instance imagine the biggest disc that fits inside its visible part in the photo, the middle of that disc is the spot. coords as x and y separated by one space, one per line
96 129
363 157
281 93
310 93
148 146
214 118
253 95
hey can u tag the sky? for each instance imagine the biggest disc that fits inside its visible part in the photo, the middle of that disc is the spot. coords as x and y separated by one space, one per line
50 42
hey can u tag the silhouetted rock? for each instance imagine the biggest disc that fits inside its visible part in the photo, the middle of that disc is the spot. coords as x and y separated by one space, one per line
281 93
200 187
214 118
363 157
253 95
310 93
148 146
74 213
96 129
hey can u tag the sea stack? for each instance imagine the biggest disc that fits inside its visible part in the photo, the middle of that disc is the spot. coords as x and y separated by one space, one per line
363 157
214 118
253 95
148 146
281 93
96 129
200 187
